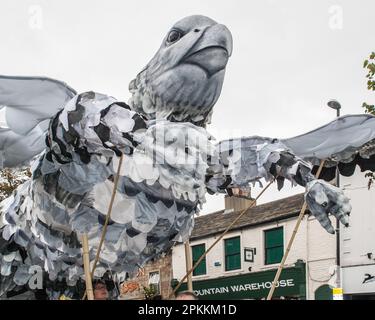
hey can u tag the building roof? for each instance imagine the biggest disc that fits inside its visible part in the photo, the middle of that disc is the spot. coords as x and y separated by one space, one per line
217 222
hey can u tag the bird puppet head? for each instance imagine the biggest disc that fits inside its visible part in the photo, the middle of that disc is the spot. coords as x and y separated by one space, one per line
183 81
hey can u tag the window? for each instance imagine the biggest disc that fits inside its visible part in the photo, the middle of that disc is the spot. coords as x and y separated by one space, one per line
274 245
197 252
232 248
154 281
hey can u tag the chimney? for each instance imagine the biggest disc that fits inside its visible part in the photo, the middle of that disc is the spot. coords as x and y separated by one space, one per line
240 200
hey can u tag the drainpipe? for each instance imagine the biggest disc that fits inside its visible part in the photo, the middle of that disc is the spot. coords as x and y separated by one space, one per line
307 260
334 104
188 266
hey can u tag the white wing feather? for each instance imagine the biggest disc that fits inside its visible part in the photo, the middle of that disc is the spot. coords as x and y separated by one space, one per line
28 104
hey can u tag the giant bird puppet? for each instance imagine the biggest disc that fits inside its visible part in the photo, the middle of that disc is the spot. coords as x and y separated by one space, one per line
169 162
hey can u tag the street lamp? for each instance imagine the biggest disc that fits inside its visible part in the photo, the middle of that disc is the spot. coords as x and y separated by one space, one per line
334 104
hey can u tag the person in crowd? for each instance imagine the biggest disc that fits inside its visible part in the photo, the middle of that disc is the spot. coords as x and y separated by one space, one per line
100 290
186 295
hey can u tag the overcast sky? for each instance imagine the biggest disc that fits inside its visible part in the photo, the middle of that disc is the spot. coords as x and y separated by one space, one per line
289 58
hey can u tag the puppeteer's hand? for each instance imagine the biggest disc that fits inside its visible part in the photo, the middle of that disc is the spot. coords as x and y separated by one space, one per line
323 199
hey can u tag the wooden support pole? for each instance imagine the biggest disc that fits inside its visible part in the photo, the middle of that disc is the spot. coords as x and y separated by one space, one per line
104 232
218 239
188 266
291 240
86 266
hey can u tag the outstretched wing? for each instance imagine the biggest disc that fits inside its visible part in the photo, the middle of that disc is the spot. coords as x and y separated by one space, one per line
345 142
29 103
248 159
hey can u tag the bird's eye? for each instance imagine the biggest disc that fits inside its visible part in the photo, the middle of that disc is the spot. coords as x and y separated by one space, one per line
174 36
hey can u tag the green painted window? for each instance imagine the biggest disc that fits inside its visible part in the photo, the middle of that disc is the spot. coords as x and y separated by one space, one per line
232 248
274 245
197 252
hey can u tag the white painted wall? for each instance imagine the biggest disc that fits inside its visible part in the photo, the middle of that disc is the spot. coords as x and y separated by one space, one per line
312 244
359 238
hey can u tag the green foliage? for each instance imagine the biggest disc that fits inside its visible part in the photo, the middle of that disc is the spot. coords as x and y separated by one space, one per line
149 292
10 179
369 64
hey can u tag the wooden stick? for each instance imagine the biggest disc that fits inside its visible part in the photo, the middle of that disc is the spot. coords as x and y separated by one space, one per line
218 239
86 266
105 226
291 240
188 265
115 183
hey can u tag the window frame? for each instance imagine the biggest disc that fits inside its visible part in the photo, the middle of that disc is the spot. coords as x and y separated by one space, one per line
266 262
203 262
153 284
233 254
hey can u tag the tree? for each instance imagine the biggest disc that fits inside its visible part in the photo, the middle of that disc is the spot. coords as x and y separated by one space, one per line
149 292
369 64
10 179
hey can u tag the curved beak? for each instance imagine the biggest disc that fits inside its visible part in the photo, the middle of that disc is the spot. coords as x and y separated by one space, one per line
212 51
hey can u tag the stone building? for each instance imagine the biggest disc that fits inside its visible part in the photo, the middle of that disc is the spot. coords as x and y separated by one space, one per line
153 281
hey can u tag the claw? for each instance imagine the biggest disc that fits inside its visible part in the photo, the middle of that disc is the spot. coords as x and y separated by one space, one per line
342 218
323 199
330 229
